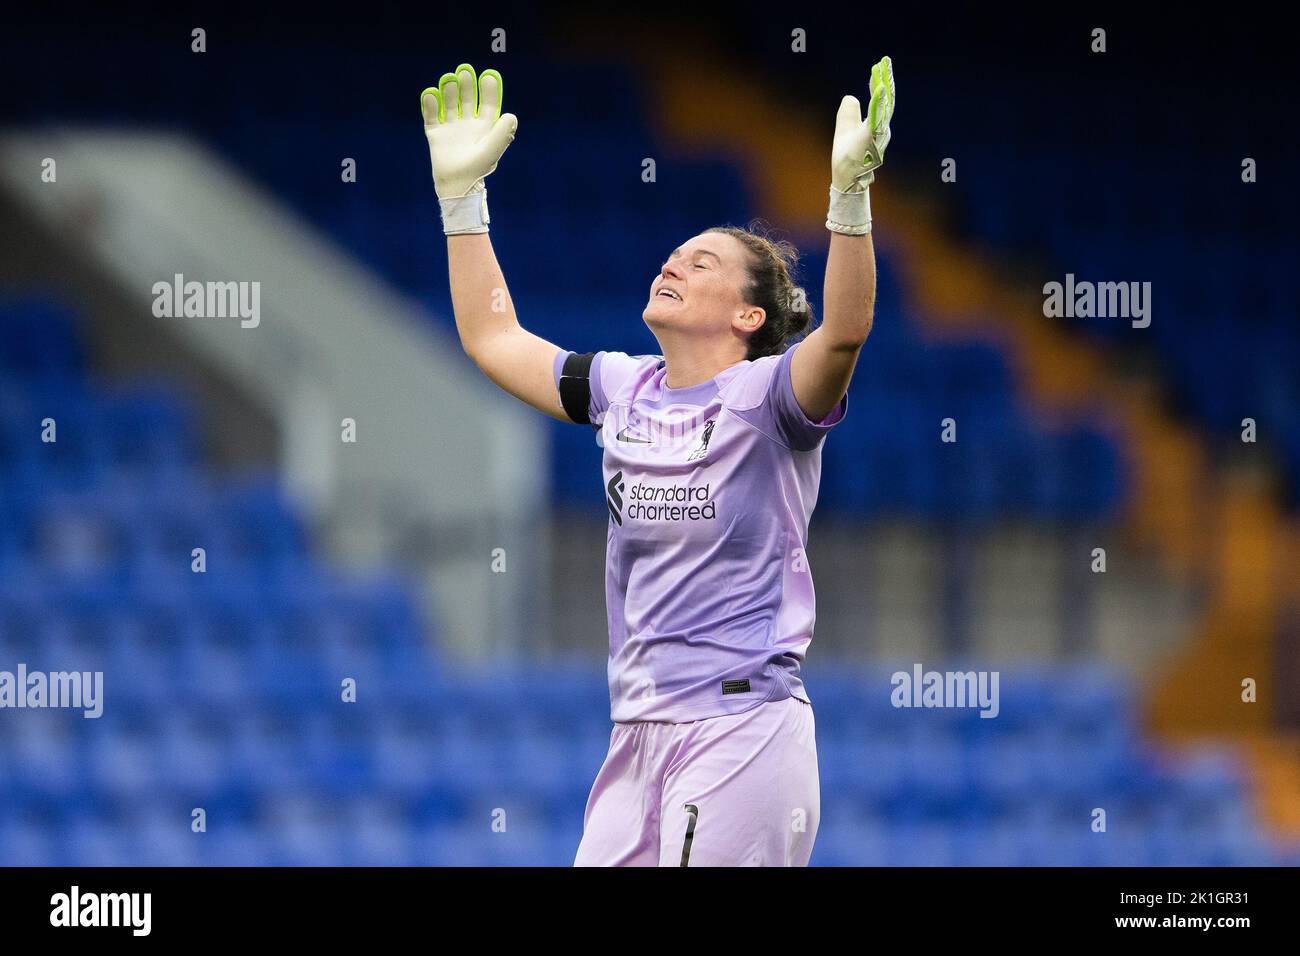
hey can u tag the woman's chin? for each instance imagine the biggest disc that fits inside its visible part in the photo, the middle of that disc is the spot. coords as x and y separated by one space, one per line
659 314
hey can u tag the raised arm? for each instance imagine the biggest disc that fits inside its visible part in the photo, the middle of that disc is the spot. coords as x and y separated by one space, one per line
822 367
467 134
518 361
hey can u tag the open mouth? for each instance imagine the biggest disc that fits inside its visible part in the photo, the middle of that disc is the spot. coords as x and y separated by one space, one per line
668 293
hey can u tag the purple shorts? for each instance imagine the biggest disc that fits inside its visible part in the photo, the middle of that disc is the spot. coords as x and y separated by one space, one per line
735 790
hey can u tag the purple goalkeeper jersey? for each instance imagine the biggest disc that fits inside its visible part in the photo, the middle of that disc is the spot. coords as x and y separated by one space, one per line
708 588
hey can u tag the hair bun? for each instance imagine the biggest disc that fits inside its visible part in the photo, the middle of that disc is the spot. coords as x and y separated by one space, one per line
773 265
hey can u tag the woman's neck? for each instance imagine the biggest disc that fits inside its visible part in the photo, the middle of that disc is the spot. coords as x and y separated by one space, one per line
696 366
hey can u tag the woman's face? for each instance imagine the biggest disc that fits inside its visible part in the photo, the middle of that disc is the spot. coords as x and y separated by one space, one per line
700 287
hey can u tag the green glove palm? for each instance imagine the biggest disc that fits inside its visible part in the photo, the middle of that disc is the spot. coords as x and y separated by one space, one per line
859 147
467 134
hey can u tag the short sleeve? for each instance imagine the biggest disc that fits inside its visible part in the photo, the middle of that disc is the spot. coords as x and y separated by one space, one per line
788 419
601 378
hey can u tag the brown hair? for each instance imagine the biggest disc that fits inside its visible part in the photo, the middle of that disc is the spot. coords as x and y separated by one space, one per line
772 267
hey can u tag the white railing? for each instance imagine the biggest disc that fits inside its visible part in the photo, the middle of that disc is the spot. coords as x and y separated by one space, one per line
445 467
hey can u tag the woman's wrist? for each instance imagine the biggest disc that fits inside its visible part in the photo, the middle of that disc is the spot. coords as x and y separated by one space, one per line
467 214
849 213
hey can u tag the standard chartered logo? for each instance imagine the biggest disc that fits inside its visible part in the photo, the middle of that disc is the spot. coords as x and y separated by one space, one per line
614 497
646 502
671 502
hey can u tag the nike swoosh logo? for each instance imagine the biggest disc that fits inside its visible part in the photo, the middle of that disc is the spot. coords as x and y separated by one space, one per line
622 436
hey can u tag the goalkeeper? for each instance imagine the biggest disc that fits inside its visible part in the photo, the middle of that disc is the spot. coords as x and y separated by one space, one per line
711 464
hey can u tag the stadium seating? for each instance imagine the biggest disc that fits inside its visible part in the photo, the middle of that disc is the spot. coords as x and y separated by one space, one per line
225 693
226 685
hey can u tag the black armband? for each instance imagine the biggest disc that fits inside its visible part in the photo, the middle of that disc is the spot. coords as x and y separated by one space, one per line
575 387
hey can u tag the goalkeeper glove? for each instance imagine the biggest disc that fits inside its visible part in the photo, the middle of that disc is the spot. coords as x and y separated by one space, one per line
467 135
858 151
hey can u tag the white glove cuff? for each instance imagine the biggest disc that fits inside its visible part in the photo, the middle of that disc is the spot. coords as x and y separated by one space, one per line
850 213
464 215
